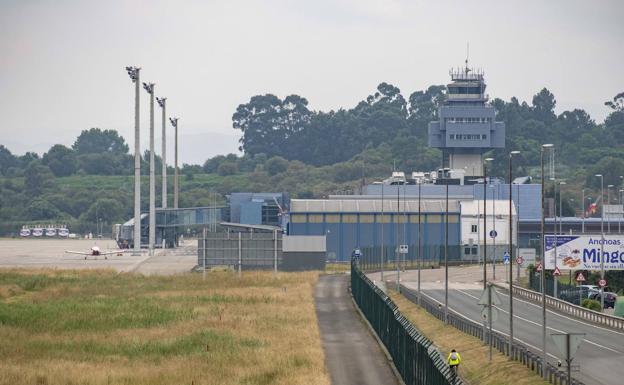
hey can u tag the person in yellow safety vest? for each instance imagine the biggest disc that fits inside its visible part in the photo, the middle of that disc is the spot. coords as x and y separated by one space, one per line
454 359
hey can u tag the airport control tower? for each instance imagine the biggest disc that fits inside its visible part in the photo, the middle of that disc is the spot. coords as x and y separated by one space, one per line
466 127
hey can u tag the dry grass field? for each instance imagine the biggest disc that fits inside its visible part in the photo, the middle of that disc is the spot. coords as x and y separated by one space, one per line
474 369
104 327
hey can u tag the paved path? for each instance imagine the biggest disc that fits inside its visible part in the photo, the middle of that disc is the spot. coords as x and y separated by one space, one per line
352 355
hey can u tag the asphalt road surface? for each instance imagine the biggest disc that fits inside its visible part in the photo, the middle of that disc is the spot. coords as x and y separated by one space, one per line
352 355
600 355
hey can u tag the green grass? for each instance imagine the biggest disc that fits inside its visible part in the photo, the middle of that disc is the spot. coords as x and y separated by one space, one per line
104 327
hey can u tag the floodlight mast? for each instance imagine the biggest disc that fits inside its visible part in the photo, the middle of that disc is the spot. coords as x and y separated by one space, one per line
134 73
174 123
149 87
162 102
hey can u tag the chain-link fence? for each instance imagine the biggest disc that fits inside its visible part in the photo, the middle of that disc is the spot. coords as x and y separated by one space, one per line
417 360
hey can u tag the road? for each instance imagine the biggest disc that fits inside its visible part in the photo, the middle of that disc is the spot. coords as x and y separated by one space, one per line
352 355
600 354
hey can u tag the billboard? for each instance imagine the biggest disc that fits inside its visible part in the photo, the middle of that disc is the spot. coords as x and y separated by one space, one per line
576 252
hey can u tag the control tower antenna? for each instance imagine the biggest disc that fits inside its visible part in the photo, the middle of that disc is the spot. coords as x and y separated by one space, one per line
467 55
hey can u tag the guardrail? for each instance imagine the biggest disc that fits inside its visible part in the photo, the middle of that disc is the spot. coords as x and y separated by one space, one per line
519 352
569 308
416 359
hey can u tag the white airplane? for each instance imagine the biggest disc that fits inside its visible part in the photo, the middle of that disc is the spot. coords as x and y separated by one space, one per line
95 252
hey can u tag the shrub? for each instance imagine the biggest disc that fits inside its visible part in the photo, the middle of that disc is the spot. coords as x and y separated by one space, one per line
591 304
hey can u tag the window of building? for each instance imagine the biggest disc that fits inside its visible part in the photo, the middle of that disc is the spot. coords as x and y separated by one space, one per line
452 136
473 228
466 250
367 218
298 218
349 218
474 251
332 218
483 137
315 218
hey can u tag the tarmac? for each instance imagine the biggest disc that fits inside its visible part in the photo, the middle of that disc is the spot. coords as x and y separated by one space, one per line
48 253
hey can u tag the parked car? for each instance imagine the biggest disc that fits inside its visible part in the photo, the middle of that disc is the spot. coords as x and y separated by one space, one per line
609 298
572 295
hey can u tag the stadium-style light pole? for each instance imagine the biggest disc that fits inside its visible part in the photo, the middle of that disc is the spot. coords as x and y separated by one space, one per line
162 102
134 73
149 87
485 221
543 262
601 238
511 155
174 123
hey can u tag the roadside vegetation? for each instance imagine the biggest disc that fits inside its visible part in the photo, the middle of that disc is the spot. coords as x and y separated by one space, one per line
475 368
103 327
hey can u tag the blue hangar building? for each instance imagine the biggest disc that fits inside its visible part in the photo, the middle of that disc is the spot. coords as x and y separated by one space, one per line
364 223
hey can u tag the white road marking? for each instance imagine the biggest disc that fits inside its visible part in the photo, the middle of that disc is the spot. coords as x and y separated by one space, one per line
547 327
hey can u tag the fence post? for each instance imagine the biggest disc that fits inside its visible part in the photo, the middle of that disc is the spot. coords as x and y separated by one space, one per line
240 256
204 253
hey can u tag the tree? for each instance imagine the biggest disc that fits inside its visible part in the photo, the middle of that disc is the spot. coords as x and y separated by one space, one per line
61 160
227 168
40 209
7 160
106 209
96 141
544 105
37 178
276 165
267 122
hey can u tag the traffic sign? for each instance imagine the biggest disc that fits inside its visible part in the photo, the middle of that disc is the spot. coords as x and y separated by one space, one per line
539 267
520 260
580 277
506 258
357 253
493 233
489 297
568 343
485 312
602 283
402 249
557 272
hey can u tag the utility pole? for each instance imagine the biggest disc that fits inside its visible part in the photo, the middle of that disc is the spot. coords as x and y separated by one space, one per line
485 221
396 252
382 231
446 241
162 104
174 123
511 258
419 238
601 238
543 272
134 73
149 87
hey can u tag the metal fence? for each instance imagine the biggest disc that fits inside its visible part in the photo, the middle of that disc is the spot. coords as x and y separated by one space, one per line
416 358
519 352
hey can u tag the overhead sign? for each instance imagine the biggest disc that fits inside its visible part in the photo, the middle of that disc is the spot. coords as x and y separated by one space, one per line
557 272
602 283
493 234
576 252
580 277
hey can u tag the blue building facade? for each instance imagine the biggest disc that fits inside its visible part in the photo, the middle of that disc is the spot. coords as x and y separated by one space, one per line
355 223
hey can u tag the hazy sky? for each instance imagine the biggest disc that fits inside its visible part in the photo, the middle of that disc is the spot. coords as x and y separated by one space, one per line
62 61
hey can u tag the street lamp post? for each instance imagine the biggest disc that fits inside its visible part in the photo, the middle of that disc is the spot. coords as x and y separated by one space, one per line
621 212
583 211
511 154
609 187
485 221
494 198
174 123
543 272
382 231
149 87
134 73
446 241
555 280
601 237
162 104
419 238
